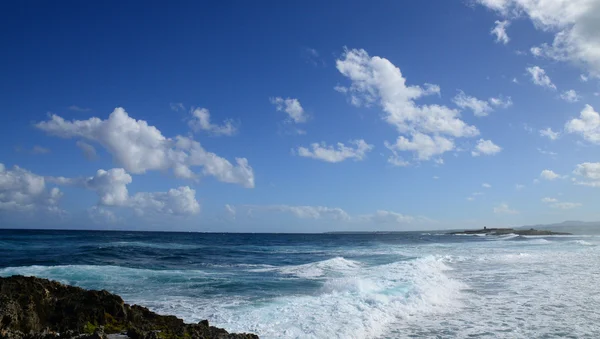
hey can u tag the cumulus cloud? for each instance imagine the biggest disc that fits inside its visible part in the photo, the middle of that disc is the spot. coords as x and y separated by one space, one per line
574 23
589 172
24 191
375 80
504 209
111 188
588 125
480 108
486 185
539 77
549 200
549 175
200 121
500 31
139 147
570 96
292 107
339 153
423 145
485 147
88 150
549 133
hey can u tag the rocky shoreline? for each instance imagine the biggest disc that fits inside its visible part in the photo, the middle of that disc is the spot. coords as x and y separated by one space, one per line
505 231
35 308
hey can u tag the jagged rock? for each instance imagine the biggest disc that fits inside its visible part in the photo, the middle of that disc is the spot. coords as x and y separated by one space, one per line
34 308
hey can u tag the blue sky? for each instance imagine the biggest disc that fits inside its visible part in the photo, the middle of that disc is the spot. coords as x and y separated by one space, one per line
299 117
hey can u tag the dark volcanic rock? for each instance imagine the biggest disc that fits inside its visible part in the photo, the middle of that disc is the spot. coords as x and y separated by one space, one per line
35 308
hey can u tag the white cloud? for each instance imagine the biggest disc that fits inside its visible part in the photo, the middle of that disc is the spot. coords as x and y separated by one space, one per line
554 203
341 152
549 133
549 175
514 80
590 172
550 153
88 150
177 106
200 121
24 191
501 102
500 31
388 217
423 145
313 57
486 185
230 210
566 205
330 213
308 212
588 125
583 78
485 147
539 77
292 107
397 160
519 187
176 201
574 23
504 209
76 108
480 108
375 80
111 188
139 147
470 198
435 177
570 96
102 216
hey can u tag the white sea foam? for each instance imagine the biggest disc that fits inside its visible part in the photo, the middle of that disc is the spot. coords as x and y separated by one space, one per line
316 269
528 288
359 303
583 242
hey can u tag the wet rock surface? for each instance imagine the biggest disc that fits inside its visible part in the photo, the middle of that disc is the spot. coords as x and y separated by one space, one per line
42 309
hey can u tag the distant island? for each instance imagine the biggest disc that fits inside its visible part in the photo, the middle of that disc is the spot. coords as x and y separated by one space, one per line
505 231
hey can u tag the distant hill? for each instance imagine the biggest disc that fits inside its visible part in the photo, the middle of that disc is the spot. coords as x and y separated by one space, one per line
575 227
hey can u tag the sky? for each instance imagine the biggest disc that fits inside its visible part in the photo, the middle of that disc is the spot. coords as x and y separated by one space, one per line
287 116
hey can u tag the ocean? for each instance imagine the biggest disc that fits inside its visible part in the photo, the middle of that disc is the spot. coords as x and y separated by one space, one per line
395 285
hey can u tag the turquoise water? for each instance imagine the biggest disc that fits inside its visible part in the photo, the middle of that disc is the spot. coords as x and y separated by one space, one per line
334 285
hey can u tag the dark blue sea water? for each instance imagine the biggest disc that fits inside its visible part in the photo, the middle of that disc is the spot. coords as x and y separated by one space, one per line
333 285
